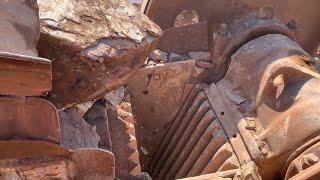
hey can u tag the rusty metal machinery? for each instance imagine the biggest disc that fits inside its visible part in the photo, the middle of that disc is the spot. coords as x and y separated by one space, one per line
243 106
300 16
257 118
56 58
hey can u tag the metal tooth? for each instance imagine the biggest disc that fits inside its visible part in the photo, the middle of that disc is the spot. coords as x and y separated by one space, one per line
185 107
218 139
198 104
218 159
204 108
197 150
208 118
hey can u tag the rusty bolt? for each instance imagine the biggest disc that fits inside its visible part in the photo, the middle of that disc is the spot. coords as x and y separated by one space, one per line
223 29
266 12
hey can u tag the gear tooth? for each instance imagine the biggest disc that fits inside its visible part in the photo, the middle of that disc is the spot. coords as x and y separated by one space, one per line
124 142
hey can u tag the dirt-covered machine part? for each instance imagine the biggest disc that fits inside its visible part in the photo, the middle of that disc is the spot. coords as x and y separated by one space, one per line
257 118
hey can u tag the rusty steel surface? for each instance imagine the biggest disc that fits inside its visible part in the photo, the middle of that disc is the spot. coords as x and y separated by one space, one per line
229 123
304 21
51 169
184 39
93 164
309 158
193 142
124 143
191 129
48 162
229 38
310 174
272 96
149 89
28 118
22 75
264 89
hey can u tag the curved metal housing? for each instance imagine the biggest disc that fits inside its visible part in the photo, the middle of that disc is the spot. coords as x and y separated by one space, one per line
304 21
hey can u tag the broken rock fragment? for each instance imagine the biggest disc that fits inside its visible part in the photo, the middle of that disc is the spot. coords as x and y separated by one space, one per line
115 96
95 46
175 57
19 27
97 117
159 56
144 176
202 56
76 132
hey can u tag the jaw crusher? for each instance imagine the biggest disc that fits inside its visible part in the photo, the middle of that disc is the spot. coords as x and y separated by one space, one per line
251 112
241 101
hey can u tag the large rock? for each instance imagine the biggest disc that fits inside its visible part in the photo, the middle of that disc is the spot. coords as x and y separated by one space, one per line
28 118
19 26
21 72
97 117
76 132
95 46
159 56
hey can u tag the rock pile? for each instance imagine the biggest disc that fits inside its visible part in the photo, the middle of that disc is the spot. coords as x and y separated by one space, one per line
95 46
